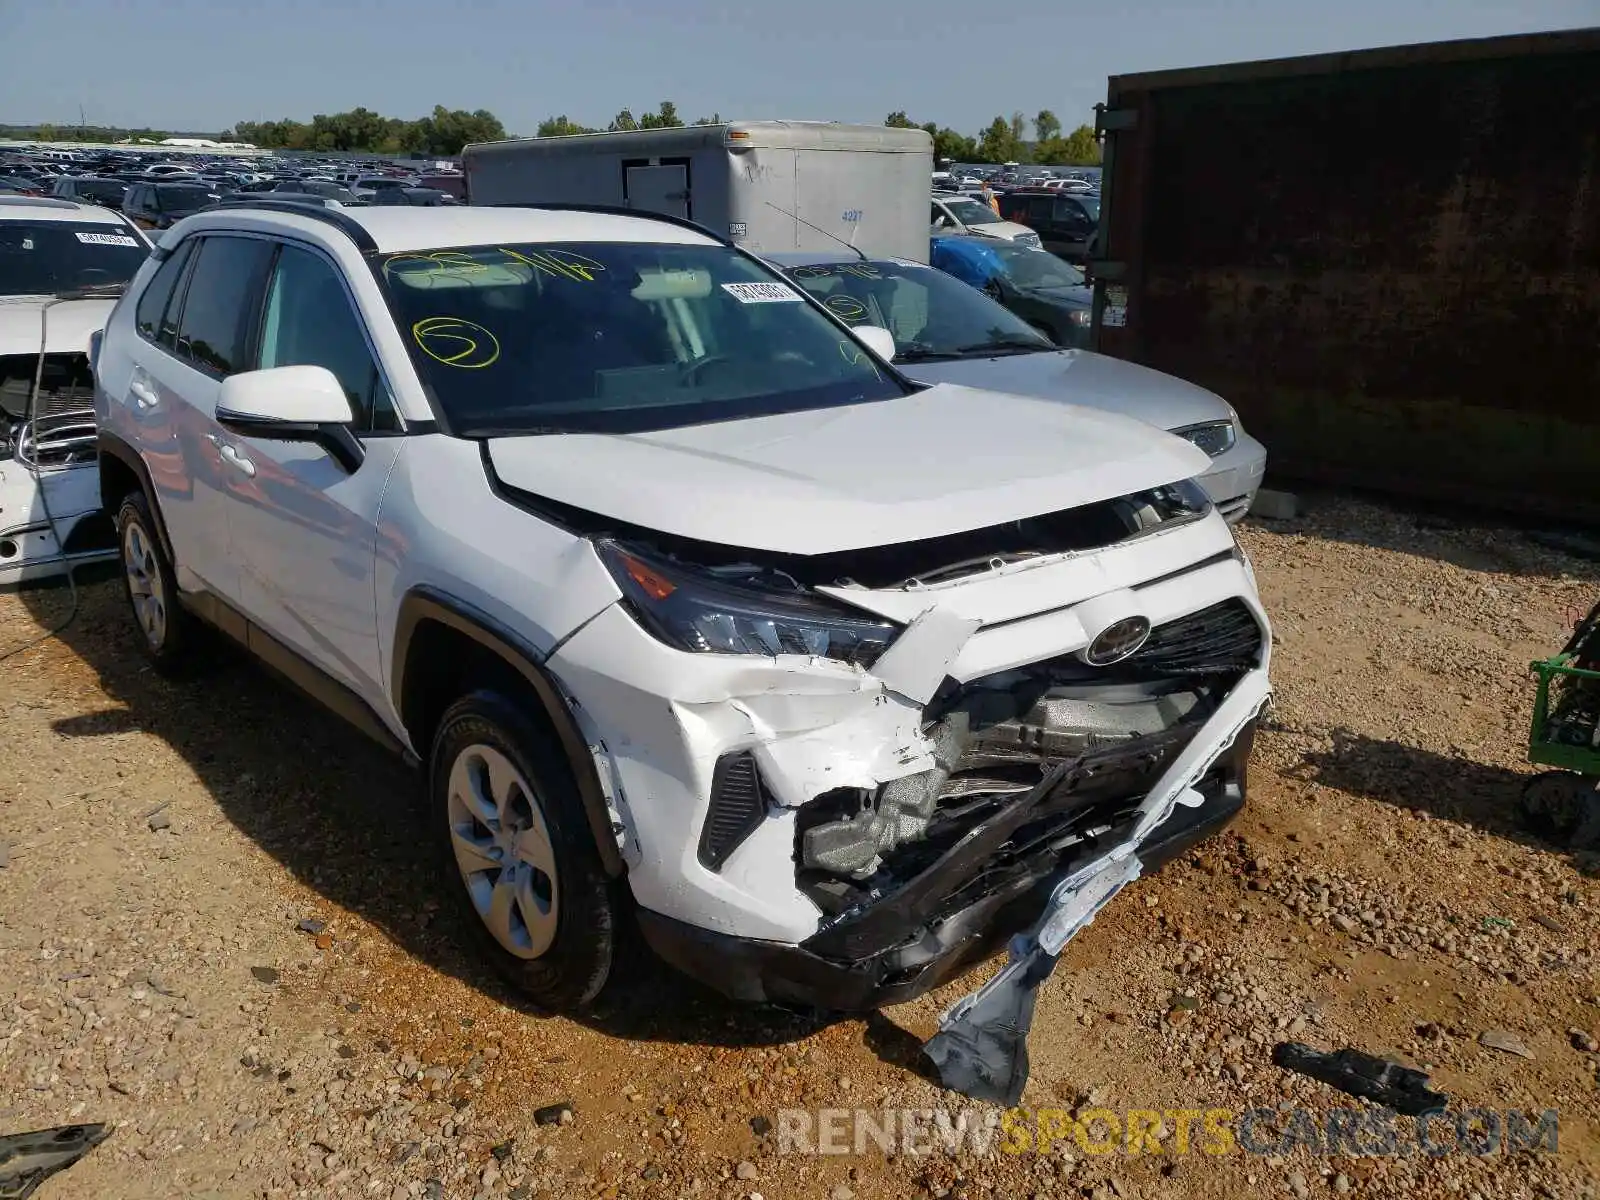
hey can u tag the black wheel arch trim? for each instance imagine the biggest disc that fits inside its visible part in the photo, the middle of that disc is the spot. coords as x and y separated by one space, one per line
424 603
110 445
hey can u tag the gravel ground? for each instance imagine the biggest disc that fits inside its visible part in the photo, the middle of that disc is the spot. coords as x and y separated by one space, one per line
217 931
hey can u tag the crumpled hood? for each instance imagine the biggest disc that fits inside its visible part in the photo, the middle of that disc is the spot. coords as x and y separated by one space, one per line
71 323
940 461
1082 377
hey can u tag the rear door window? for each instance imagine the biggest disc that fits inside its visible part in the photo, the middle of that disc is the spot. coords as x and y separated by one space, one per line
222 304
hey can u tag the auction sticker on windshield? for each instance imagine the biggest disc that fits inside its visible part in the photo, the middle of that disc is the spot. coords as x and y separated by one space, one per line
107 239
762 293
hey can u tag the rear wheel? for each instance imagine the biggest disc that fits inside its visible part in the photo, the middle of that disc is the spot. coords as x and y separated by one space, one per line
166 631
514 834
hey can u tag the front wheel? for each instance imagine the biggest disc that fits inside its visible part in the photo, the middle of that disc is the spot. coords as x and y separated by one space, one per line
516 841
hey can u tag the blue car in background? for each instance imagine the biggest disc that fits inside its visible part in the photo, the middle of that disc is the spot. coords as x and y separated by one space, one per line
1046 292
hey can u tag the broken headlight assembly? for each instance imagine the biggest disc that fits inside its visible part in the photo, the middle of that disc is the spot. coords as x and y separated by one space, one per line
1216 438
739 610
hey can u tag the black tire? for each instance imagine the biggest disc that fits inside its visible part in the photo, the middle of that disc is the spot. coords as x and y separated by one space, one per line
169 644
590 910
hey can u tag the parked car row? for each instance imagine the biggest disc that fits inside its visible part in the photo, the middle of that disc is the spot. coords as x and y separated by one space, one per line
155 194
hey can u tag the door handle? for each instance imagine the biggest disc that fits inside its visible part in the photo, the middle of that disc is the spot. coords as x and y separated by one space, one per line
232 456
143 394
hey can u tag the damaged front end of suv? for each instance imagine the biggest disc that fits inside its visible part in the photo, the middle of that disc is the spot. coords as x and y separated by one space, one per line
887 762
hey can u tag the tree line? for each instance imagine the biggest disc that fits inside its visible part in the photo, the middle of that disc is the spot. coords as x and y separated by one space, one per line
445 131
1004 140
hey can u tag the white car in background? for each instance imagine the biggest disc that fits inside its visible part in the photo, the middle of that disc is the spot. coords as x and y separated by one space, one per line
62 267
966 214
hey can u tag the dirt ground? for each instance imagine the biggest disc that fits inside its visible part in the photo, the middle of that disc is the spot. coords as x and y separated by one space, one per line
1377 893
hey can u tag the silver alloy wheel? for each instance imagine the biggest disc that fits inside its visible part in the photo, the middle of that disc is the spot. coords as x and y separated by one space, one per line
502 846
145 586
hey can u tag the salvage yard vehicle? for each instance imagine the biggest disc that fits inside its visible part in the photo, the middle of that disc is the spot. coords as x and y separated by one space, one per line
62 266
695 610
946 331
1051 295
161 205
970 215
1063 221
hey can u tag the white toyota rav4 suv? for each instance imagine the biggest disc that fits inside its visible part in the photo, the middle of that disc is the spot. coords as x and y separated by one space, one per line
697 613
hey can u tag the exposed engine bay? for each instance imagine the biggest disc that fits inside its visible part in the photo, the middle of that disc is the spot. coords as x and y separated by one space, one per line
999 736
63 431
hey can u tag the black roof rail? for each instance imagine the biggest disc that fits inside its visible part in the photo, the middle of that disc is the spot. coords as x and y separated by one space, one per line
617 210
351 228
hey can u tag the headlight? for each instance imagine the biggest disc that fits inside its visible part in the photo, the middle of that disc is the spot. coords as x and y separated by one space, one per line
1078 317
1214 437
702 609
1030 239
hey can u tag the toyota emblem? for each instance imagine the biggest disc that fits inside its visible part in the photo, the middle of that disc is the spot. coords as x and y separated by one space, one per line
1117 641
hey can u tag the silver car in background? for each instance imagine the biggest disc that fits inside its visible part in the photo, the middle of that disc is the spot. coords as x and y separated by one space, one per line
947 331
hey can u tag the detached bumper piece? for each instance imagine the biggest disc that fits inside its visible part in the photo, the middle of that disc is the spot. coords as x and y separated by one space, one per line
989 885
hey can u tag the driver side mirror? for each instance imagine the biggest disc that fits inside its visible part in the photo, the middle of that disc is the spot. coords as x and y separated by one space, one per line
292 404
877 339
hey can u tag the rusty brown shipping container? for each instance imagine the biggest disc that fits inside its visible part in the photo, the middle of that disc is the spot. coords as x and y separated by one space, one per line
1387 260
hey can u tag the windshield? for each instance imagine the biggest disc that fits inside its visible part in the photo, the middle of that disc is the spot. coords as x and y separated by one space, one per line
617 337
1030 267
176 198
931 314
972 212
59 256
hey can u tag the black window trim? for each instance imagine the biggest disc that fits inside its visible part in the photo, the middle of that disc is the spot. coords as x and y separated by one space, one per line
180 295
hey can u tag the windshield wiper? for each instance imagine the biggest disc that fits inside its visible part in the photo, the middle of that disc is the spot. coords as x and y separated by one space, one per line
1017 344
902 356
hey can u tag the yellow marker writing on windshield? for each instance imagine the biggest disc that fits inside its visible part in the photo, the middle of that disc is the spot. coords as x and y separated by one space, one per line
440 262
846 308
562 264
456 343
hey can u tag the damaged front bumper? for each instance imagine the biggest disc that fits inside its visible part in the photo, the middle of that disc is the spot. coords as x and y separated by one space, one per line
933 931
810 832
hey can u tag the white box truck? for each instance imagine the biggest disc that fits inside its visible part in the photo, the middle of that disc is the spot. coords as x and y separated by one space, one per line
771 186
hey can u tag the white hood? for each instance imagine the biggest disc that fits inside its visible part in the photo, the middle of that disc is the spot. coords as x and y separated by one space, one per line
70 324
941 461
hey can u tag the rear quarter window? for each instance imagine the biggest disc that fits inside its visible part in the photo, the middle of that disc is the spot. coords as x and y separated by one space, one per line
157 295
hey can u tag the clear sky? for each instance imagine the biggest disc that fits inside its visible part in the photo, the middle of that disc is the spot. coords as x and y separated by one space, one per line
205 64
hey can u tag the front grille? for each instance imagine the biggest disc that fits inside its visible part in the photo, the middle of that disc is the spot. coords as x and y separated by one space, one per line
1224 637
738 804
